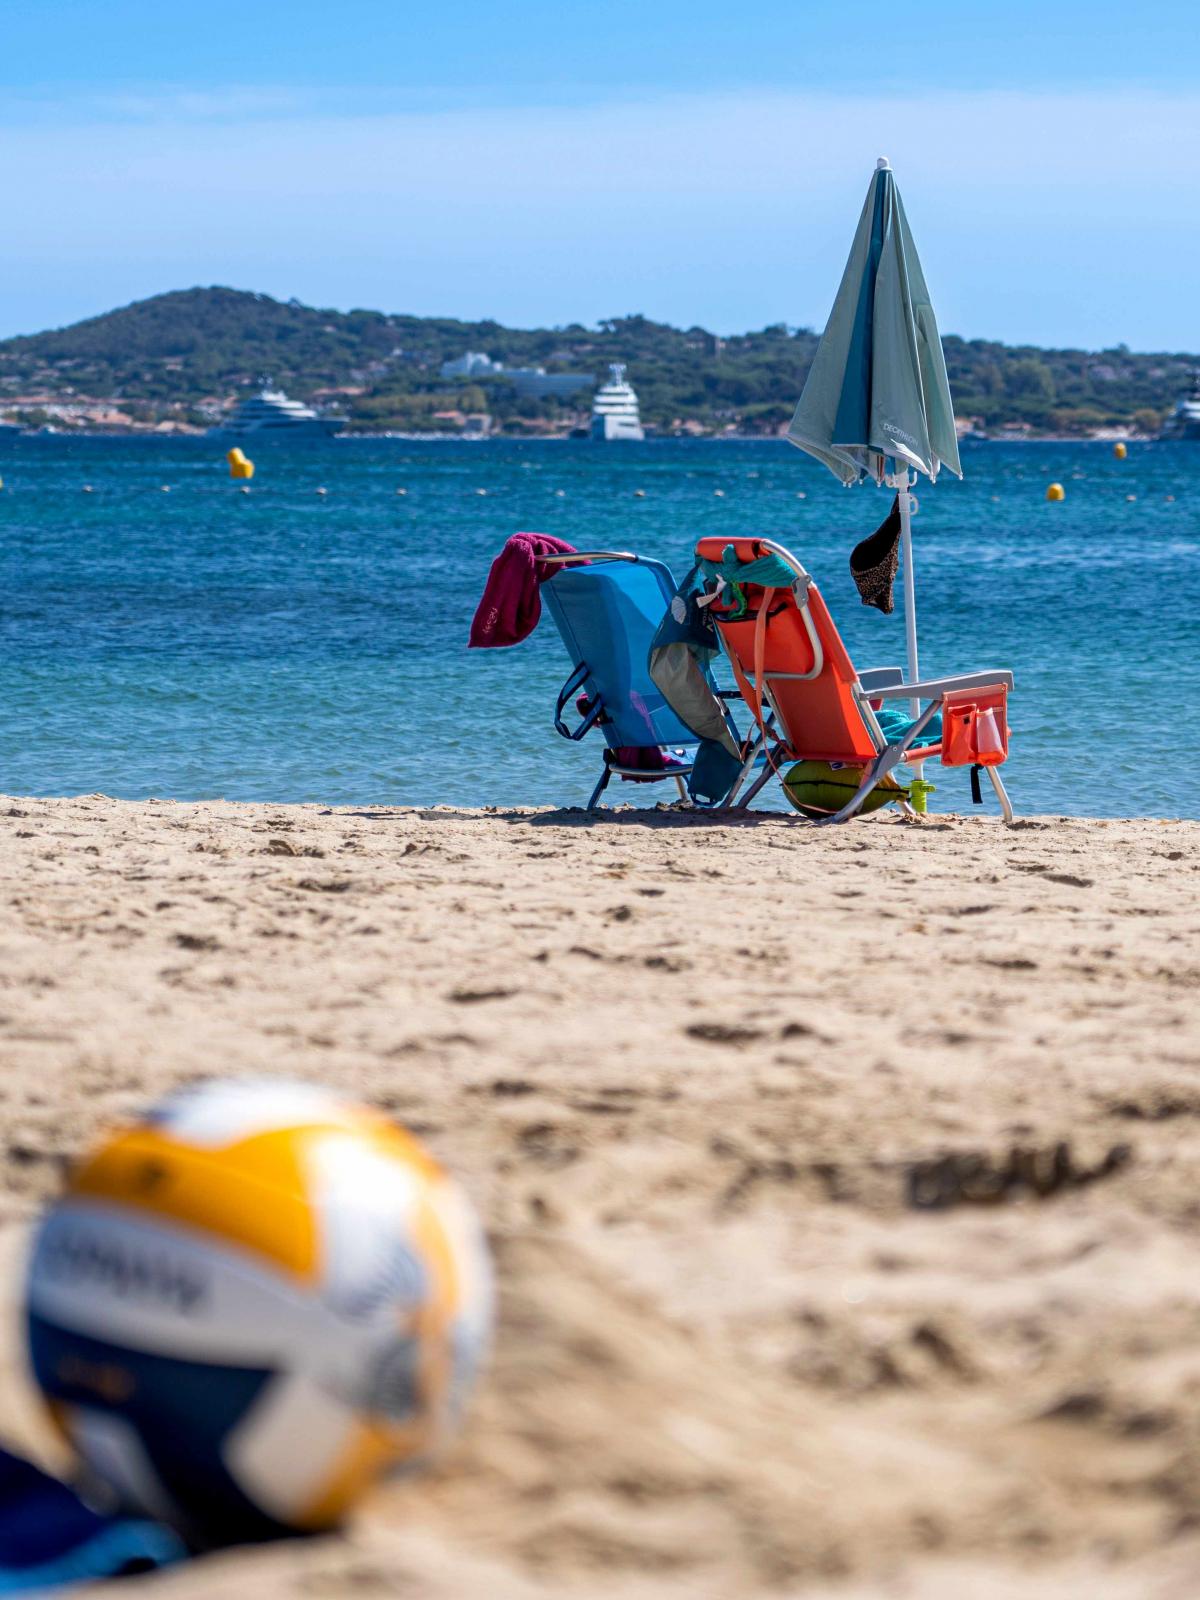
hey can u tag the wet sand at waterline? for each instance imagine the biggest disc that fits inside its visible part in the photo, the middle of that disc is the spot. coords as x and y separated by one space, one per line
844 1184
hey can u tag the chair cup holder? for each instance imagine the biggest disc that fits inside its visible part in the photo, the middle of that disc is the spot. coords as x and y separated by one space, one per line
975 727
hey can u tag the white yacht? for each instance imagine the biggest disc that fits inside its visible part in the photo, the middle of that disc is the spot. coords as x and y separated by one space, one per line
615 408
1184 421
270 412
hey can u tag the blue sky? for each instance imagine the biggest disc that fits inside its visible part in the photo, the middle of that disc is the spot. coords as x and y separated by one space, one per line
541 162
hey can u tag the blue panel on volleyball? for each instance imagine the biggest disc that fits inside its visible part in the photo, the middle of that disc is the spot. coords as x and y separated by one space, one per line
180 1414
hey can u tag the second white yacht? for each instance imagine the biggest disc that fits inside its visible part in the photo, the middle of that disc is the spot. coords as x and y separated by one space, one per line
615 408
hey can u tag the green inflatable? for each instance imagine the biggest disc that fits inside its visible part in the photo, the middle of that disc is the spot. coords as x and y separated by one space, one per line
819 788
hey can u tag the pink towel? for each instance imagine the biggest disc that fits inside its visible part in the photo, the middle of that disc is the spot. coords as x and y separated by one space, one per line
511 603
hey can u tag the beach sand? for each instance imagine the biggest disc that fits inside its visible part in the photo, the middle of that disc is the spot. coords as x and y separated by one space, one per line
694 1072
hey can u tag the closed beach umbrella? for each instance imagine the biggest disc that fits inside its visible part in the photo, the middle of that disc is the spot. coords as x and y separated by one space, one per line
877 400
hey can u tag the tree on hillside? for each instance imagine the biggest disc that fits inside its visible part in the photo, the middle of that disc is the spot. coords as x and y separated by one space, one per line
207 346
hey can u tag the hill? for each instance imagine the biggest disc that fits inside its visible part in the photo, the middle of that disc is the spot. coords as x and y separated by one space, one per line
178 359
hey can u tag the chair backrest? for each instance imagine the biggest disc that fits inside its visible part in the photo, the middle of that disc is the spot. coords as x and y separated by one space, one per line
607 613
819 715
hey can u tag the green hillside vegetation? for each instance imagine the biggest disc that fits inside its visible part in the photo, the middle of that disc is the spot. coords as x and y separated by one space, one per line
183 356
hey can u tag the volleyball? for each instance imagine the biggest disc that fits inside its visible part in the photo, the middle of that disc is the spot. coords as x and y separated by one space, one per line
251 1303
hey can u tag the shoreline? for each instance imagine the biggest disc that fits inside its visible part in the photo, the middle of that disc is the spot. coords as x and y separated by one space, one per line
200 437
717 1088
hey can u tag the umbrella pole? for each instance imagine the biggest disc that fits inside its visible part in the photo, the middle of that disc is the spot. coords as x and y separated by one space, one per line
910 589
901 482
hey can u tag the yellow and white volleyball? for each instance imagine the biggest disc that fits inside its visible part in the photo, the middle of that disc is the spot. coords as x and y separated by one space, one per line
252 1303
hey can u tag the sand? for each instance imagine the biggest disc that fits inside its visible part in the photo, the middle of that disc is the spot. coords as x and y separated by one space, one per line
698 1076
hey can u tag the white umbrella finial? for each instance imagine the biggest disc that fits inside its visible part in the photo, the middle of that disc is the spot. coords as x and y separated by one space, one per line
883 164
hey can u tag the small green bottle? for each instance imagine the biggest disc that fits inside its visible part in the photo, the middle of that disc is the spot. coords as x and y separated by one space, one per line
918 793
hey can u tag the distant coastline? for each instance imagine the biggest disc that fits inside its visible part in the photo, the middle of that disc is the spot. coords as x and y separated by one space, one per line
178 363
153 435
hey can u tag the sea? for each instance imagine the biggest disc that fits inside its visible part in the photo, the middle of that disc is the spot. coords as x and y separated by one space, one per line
164 635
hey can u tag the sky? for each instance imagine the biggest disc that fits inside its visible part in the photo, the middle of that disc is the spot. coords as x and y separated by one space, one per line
543 163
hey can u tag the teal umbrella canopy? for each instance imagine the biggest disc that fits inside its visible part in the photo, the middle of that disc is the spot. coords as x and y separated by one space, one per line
878 386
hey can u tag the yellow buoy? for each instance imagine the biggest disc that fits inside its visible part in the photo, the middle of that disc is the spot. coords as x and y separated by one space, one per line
239 467
1120 451
1055 491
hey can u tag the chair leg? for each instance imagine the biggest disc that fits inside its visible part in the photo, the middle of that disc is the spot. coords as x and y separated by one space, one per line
747 769
1001 792
892 756
682 787
600 788
759 784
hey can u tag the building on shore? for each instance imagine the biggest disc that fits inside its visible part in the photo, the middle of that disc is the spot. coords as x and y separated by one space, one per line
471 365
530 383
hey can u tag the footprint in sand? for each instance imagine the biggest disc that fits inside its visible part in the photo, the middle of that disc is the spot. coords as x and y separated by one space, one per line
723 1033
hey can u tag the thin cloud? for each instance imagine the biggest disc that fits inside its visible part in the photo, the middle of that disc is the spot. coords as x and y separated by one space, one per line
727 209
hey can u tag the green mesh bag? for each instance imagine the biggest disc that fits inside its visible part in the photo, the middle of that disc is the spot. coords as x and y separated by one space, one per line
819 788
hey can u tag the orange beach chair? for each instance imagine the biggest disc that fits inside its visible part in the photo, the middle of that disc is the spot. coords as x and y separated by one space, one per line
811 705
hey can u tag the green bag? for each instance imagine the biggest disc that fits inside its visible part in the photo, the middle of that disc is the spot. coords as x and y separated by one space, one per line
820 788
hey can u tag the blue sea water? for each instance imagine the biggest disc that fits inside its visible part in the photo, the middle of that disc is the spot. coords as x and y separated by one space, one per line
289 646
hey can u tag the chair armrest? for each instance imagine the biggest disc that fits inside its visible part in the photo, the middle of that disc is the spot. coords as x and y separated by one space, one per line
935 688
881 677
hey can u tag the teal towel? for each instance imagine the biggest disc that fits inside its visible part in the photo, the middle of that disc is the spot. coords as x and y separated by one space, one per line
896 723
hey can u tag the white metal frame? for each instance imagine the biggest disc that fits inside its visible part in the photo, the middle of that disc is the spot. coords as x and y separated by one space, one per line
641 775
885 683
591 555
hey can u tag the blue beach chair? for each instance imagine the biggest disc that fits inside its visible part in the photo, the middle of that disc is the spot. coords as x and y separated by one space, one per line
607 613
